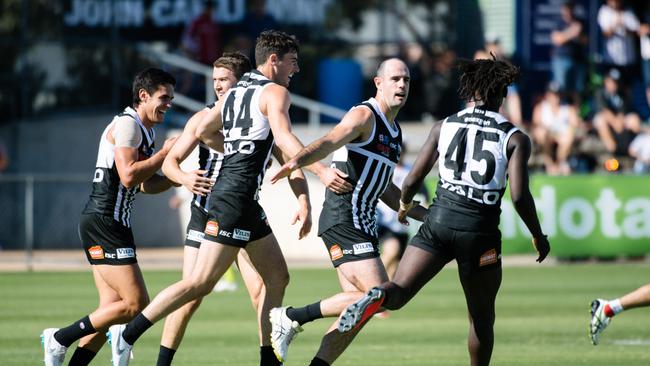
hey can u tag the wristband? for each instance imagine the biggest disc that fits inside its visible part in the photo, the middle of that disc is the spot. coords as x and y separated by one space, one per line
405 206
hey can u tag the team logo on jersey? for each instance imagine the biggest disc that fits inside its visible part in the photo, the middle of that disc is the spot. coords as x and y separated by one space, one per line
212 228
96 252
362 248
125 253
488 257
336 252
241 234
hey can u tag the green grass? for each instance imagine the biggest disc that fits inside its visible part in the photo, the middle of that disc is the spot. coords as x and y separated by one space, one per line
542 316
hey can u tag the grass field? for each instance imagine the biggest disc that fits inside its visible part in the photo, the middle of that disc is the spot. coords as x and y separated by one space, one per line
542 316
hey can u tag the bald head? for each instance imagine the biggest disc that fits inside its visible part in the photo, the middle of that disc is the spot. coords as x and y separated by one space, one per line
392 81
390 64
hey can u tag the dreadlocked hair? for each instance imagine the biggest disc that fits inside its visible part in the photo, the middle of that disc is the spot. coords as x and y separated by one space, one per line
484 79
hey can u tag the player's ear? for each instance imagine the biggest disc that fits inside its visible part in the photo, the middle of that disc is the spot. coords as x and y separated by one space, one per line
143 95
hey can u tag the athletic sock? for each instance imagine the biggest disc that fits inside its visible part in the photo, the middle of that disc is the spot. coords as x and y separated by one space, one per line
318 362
81 357
136 328
613 307
165 356
267 357
77 330
305 314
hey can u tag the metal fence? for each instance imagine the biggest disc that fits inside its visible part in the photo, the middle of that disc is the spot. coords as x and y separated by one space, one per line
36 210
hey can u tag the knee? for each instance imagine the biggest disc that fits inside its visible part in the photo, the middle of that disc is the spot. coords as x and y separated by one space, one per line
133 307
201 287
277 281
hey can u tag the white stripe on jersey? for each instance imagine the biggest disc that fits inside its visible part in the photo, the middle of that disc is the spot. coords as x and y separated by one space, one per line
355 196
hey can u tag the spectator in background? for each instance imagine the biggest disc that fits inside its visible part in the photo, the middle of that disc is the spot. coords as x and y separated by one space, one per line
568 53
255 21
615 121
511 107
640 151
644 35
202 38
555 123
619 26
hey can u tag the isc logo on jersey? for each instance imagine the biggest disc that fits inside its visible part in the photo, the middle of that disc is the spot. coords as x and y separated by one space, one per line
125 253
362 248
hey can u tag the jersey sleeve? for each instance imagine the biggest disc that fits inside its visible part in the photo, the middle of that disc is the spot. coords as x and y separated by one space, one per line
127 133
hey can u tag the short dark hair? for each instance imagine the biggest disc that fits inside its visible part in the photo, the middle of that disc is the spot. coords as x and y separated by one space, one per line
150 79
485 80
273 41
236 62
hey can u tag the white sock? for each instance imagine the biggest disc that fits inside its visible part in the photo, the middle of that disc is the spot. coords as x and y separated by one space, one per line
616 306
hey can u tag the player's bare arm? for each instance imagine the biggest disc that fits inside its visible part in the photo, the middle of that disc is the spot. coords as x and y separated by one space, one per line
132 171
209 129
391 197
300 189
157 183
519 148
356 124
427 156
194 181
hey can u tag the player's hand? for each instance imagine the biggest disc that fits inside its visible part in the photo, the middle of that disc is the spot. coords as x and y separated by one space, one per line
196 183
542 246
168 144
403 211
334 180
304 216
284 171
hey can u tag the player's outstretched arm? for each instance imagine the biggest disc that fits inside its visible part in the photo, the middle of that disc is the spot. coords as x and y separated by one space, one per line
356 123
194 181
300 189
519 148
427 156
209 128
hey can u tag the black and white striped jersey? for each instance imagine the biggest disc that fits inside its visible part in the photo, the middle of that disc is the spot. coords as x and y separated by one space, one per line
473 169
370 165
210 160
109 196
248 141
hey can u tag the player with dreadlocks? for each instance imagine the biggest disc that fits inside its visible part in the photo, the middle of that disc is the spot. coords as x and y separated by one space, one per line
480 151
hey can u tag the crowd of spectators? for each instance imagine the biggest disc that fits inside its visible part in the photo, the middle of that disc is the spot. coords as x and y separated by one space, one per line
583 118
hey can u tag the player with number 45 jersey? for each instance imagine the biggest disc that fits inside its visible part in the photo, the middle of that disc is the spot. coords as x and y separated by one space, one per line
479 152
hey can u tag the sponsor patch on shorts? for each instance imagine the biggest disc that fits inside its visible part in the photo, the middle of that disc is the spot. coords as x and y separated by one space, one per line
212 228
488 257
241 234
362 248
195 235
125 253
336 252
96 252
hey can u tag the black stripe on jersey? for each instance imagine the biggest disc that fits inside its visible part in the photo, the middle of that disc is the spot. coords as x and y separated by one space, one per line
122 199
380 186
204 156
505 126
